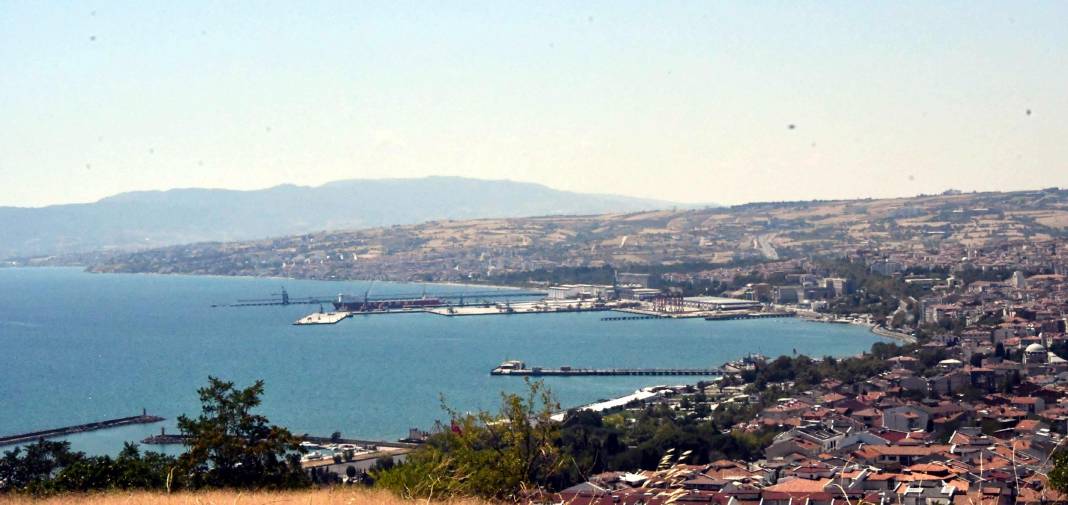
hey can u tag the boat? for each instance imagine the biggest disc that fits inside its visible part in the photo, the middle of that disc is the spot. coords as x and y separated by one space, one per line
508 367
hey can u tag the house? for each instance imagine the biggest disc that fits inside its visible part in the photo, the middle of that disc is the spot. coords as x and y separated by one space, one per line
896 456
1030 404
906 418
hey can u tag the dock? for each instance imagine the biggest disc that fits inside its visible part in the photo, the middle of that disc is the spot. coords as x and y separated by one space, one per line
176 439
574 372
518 368
631 318
537 307
322 318
22 438
748 315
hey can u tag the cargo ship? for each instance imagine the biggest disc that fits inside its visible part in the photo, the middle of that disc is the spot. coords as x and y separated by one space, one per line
354 304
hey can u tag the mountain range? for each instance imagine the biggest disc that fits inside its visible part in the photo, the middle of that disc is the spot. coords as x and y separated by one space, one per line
148 219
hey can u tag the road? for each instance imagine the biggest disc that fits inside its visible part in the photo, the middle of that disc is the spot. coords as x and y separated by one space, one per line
763 242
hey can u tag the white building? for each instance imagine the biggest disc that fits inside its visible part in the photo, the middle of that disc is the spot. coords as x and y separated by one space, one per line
719 303
579 292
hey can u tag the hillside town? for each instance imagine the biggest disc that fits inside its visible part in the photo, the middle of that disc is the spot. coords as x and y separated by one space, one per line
685 242
973 412
956 430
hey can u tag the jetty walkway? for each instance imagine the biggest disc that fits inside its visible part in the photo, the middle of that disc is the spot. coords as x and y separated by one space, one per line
570 372
174 439
22 438
747 315
631 318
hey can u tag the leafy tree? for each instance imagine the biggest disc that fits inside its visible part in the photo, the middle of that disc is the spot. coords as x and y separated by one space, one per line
1058 476
130 470
229 446
29 468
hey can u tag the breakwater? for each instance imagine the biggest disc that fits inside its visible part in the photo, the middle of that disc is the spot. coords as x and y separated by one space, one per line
175 439
631 318
21 438
570 372
747 315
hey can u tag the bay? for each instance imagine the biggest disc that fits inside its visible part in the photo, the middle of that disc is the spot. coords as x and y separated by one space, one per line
77 347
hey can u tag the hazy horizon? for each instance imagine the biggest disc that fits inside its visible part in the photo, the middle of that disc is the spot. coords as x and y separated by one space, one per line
550 186
683 102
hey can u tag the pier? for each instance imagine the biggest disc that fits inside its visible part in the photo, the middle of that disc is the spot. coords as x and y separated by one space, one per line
518 368
631 318
747 315
367 303
322 318
175 439
144 418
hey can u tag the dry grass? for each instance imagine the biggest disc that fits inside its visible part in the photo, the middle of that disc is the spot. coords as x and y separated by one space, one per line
338 496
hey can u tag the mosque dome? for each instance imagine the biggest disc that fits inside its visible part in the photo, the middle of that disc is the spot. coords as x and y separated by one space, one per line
1035 348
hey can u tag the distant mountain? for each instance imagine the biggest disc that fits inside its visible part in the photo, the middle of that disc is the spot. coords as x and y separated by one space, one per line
145 219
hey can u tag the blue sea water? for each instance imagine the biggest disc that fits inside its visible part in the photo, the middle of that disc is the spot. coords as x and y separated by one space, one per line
78 347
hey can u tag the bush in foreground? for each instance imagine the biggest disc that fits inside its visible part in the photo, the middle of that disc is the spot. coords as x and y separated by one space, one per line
493 456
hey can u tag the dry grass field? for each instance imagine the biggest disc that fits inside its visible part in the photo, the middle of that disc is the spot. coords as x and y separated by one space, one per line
338 496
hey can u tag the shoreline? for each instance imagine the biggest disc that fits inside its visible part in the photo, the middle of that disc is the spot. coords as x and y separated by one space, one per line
86 269
881 331
891 334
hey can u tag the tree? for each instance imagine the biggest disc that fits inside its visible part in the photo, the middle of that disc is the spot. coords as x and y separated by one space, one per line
229 446
29 467
1058 476
132 469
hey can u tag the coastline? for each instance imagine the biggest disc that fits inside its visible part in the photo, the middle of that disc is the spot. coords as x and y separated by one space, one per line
88 269
896 335
881 331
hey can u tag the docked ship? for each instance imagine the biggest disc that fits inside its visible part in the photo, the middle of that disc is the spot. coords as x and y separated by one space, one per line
354 304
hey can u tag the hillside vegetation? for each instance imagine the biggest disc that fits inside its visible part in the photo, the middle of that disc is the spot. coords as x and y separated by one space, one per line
331 496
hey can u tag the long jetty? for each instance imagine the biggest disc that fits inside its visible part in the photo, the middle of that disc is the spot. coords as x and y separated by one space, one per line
81 428
174 439
747 315
631 318
571 372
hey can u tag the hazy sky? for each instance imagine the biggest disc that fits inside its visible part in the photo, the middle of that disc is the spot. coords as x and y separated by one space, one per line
687 101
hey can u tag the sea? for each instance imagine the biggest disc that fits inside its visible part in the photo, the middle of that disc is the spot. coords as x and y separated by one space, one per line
77 347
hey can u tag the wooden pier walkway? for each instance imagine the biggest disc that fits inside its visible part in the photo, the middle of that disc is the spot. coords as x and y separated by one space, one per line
23 438
573 372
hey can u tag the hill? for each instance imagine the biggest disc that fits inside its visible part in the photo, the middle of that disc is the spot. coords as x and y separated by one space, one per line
148 219
507 250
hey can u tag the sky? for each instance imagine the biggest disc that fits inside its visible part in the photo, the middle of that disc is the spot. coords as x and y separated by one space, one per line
691 102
